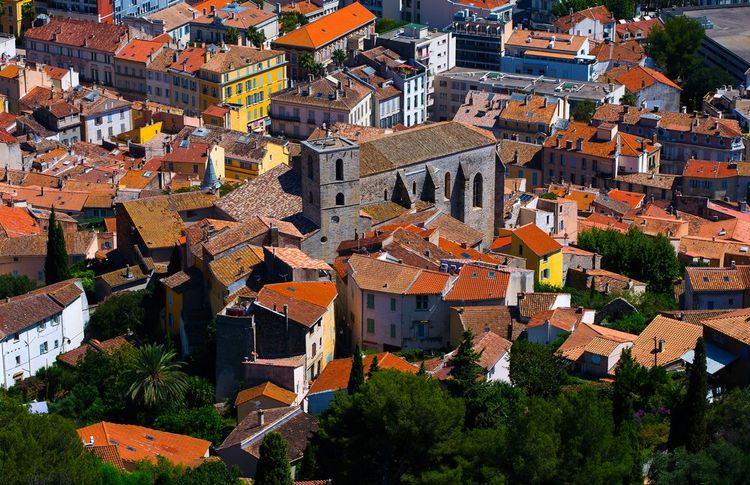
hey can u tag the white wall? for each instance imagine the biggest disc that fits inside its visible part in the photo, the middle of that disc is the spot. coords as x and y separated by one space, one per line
500 372
119 122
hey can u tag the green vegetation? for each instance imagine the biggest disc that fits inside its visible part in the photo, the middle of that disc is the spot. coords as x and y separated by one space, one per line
688 427
386 25
290 21
584 111
156 378
628 99
273 464
549 196
339 57
231 36
255 37
357 374
636 255
118 315
537 369
11 285
674 48
309 65
56 263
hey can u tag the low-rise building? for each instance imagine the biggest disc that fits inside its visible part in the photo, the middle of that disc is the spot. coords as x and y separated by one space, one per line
714 179
664 341
596 23
652 89
132 62
543 254
682 136
545 327
297 112
595 350
39 326
173 21
322 37
246 20
546 54
583 154
494 352
717 288
386 100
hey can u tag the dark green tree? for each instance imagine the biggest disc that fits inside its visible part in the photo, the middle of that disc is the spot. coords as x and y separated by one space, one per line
700 80
273 464
688 426
393 426
357 374
156 378
339 57
210 473
117 315
374 367
255 37
465 371
11 285
630 378
422 371
204 423
535 369
231 36
307 63
674 47
56 263
628 99
289 21
584 111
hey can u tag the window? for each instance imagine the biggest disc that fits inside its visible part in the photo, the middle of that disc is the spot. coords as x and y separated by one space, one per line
370 300
477 190
385 194
314 349
423 302
421 329
310 168
57 343
596 359
393 304
43 348
42 326
339 199
447 187
339 169
18 360
393 330
414 188
370 325
16 337
545 274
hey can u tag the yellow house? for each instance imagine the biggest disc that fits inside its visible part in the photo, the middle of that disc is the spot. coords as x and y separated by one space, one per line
11 20
542 253
244 78
227 116
181 292
253 155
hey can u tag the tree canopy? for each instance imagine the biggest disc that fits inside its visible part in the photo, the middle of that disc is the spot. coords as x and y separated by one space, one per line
273 464
56 263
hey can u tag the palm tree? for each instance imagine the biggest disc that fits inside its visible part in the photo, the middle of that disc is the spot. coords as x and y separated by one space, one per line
255 36
307 63
156 377
339 57
231 36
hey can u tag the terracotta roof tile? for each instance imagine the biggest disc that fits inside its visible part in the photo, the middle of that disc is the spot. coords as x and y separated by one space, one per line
16 221
538 241
679 337
599 13
639 77
328 28
139 50
735 325
296 258
236 265
335 376
108 454
80 33
630 145
633 199
76 355
135 443
533 303
582 337
306 302
475 283
718 279
565 319
267 389
493 318
707 169
677 122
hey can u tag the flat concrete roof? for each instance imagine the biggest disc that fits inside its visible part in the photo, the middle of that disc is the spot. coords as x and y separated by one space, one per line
730 26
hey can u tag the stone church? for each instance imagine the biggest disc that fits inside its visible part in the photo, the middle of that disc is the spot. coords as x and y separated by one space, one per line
336 184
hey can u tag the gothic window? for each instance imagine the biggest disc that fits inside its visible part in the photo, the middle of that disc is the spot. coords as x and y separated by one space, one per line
310 197
447 185
339 169
310 168
414 188
477 194
385 195
339 199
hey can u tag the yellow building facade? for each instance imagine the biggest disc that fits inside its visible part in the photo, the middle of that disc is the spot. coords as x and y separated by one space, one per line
542 253
243 78
275 153
11 20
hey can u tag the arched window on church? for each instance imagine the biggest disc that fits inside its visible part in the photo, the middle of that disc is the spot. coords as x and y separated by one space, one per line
385 195
414 188
477 194
447 185
310 197
339 199
310 168
339 169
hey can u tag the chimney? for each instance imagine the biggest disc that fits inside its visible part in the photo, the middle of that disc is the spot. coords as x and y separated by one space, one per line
261 418
579 309
274 235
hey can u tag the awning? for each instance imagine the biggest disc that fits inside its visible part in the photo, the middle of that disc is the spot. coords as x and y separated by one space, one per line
716 357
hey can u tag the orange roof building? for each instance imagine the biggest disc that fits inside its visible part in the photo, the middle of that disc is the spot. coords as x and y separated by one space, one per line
604 23
323 36
136 443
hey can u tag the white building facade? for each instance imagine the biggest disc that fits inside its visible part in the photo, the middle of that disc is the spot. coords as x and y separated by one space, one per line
37 327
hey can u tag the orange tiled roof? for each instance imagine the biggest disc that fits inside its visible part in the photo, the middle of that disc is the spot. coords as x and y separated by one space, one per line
135 443
639 77
488 4
566 319
328 28
630 145
718 279
139 50
679 337
633 199
306 302
599 13
577 343
466 252
735 325
267 389
673 121
190 60
16 222
335 376
732 229
538 241
477 283
601 221
708 169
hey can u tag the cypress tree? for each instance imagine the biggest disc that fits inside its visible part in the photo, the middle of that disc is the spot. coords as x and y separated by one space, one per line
273 464
374 367
466 372
422 371
56 263
688 426
357 375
